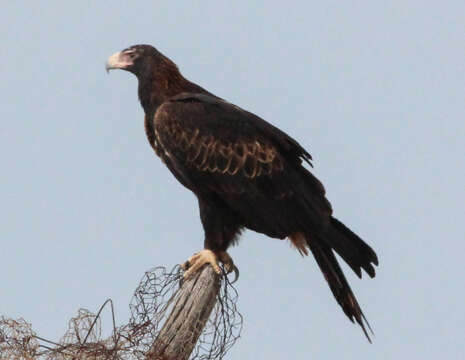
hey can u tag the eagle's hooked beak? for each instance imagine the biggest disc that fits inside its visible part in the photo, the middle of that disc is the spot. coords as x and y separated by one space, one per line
119 60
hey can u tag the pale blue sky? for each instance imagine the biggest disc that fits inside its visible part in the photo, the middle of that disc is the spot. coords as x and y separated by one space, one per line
375 92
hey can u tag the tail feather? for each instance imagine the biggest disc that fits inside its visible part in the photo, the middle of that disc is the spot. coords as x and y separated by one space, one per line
355 252
337 282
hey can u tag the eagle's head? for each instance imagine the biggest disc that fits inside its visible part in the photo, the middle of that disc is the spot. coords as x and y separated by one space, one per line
136 59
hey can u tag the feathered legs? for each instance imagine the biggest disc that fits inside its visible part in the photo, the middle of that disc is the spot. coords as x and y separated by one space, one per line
221 229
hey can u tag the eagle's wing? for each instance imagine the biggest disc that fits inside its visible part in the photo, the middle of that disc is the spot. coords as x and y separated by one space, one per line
213 146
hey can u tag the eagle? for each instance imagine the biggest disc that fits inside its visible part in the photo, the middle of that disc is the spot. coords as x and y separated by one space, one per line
245 173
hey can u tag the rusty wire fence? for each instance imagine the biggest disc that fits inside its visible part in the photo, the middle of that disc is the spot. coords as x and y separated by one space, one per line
150 306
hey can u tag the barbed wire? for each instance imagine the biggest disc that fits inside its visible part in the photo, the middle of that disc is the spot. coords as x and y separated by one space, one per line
150 307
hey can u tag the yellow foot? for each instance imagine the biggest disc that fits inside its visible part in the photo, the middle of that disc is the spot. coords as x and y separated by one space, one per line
198 260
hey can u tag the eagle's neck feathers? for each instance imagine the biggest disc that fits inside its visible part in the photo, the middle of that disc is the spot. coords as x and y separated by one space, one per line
163 82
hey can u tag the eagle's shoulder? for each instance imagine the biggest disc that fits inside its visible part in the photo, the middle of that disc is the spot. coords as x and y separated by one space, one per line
185 106
197 97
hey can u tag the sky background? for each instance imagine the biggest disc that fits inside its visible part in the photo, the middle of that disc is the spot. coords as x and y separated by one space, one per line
374 91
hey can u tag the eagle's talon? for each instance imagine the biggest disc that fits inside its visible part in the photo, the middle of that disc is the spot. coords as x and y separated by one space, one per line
227 261
236 274
185 265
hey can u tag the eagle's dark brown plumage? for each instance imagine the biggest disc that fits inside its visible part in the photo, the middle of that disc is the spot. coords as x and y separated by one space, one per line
245 172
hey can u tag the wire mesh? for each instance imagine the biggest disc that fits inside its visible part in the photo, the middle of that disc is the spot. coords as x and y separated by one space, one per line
150 306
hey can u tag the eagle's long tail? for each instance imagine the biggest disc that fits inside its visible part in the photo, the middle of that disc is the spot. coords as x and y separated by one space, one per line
356 253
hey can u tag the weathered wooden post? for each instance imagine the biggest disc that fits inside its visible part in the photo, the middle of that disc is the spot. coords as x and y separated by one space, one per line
189 316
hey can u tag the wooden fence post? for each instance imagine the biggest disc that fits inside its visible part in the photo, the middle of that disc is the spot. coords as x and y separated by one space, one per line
188 317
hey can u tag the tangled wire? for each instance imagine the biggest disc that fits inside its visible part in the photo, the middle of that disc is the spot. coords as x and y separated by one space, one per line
152 303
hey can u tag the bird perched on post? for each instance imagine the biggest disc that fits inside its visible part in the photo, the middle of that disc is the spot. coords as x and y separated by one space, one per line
245 172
